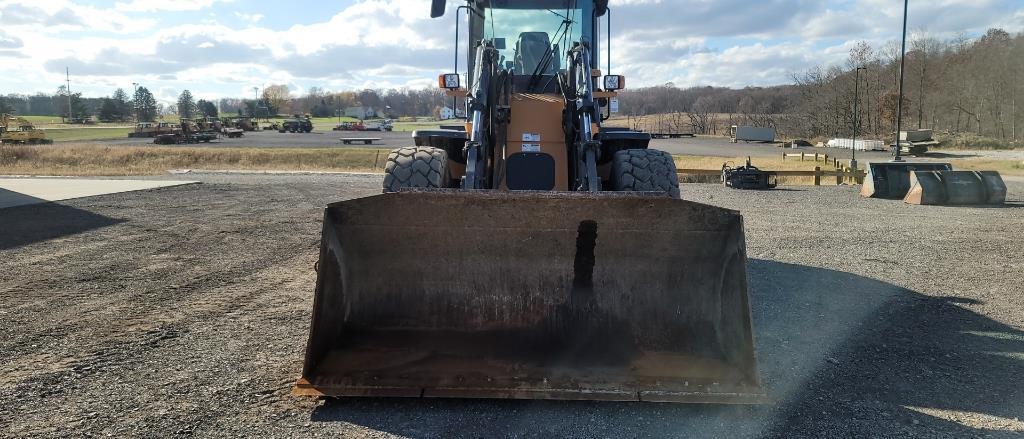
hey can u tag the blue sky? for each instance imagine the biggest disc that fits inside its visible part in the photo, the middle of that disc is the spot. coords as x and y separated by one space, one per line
222 48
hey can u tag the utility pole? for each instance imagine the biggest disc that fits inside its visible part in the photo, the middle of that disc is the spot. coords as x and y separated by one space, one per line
256 105
856 115
899 104
135 101
67 73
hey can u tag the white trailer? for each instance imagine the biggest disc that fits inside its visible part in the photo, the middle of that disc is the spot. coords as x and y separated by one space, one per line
862 145
752 134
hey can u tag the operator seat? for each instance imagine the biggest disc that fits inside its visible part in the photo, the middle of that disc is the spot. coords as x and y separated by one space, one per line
530 51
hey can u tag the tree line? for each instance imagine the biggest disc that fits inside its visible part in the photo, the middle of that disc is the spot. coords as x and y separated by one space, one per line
118 107
279 99
955 86
273 100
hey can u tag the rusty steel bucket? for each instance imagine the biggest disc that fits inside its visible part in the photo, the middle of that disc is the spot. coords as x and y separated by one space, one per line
956 188
611 296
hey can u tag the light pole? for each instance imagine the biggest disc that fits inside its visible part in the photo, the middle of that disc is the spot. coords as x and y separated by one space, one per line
899 103
856 115
135 100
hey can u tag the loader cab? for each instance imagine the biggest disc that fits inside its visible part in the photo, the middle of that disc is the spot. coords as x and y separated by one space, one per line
532 37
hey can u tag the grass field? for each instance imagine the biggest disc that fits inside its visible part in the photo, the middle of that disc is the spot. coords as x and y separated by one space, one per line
81 133
1005 167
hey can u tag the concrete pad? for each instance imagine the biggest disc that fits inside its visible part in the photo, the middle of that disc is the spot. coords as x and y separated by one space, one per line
23 191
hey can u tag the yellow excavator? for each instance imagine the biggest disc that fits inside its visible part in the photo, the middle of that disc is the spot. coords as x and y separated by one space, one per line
15 129
534 253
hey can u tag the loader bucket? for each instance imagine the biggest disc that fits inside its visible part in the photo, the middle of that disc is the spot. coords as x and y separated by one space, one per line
956 188
892 179
531 295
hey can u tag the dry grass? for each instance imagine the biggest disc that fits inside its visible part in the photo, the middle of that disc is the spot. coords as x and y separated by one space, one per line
1005 167
86 159
83 159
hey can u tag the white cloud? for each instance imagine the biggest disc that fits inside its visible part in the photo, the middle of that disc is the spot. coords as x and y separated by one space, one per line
165 5
394 43
251 18
56 16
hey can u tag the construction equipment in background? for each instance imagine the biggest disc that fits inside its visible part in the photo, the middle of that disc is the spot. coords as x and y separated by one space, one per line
246 123
916 142
532 254
152 129
297 124
232 133
188 132
950 188
752 134
208 123
14 129
350 126
747 177
381 125
892 179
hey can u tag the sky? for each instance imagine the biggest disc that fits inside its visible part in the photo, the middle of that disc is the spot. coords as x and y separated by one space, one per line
226 48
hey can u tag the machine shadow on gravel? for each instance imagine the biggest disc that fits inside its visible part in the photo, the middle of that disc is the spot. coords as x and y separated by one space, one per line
915 368
827 341
37 220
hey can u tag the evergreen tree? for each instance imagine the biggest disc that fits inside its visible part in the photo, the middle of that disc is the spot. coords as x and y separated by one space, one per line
124 108
145 105
186 105
5 107
109 111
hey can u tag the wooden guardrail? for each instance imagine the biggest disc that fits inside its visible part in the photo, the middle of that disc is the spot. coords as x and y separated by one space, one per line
803 155
817 173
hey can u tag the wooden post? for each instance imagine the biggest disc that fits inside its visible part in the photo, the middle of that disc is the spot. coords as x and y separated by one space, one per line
375 159
817 175
801 156
825 160
783 155
839 177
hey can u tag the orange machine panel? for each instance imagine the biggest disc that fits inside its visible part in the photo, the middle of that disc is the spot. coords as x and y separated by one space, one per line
536 126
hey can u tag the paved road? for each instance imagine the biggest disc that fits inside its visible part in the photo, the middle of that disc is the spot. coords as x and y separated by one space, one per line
185 311
274 139
722 147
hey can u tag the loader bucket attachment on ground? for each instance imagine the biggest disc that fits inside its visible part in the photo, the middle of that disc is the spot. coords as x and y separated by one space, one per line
956 188
892 179
613 296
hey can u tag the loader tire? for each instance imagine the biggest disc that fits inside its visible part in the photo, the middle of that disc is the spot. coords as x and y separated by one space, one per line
647 170
416 167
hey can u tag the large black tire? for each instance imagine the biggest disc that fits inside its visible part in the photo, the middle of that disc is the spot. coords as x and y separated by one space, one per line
646 170
416 167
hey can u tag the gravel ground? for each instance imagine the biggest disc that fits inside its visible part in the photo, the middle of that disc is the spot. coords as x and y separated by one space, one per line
184 311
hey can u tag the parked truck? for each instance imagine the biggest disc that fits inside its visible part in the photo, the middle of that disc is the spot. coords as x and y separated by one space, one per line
752 134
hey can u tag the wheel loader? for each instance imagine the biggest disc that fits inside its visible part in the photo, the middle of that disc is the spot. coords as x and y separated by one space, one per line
535 253
15 129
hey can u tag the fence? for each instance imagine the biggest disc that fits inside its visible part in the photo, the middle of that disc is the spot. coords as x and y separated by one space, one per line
803 155
841 174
